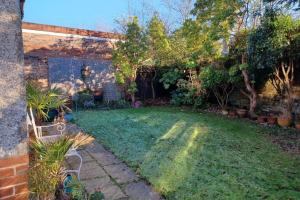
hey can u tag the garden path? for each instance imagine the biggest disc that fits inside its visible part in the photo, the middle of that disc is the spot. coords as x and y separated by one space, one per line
102 170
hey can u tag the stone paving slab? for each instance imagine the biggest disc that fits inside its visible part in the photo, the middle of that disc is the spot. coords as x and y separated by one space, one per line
121 173
106 158
141 191
92 173
103 171
96 184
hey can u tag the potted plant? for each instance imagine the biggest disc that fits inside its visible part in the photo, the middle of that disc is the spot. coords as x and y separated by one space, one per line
241 112
261 117
297 123
271 119
284 120
43 102
232 113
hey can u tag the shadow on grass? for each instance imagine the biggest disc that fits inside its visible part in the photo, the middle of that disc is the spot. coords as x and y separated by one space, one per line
196 156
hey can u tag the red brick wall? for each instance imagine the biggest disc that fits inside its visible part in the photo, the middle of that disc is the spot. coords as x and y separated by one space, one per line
49 45
38 47
14 178
36 70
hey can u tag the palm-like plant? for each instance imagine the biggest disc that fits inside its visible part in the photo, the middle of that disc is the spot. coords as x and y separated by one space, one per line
47 172
42 101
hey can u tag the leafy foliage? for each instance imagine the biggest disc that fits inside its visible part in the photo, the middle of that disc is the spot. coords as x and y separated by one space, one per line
158 46
42 101
171 77
280 36
219 82
46 172
130 54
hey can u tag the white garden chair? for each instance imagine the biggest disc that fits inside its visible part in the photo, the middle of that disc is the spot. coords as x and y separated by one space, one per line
59 132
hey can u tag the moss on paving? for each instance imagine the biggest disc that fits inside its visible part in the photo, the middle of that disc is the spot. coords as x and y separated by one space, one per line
195 156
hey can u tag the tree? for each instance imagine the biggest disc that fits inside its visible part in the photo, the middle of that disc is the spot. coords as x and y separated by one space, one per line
238 53
278 52
230 21
158 47
129 56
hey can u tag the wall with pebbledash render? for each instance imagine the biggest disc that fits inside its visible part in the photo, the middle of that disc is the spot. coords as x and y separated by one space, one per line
13 134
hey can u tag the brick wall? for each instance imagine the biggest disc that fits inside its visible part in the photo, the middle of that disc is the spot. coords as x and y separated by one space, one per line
36 70
43 43
53 41
13 179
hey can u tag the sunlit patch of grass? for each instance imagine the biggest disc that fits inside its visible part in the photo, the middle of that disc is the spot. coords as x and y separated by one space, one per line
195 156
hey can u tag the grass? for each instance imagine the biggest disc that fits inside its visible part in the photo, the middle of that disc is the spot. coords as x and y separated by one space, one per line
194 156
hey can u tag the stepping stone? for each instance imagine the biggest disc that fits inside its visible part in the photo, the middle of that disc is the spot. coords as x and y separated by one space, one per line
121 173
141 191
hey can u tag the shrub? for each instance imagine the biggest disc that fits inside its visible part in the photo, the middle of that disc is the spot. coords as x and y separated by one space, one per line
219 82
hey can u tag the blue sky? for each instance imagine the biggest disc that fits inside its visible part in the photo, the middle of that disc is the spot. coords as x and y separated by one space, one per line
86 14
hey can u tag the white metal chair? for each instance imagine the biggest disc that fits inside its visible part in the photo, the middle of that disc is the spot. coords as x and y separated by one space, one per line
60 127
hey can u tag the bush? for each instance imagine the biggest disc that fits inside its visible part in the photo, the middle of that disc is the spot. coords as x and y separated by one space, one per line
218 81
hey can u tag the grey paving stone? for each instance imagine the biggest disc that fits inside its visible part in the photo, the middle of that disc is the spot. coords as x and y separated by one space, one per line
105 158
112 192
90 166
106 186
97 184
85 156
95 147
75 161
121 173
141 191
92 173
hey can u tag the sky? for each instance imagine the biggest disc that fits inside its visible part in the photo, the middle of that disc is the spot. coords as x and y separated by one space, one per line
86 14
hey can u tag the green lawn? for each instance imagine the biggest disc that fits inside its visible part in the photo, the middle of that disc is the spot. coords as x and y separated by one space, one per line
187 155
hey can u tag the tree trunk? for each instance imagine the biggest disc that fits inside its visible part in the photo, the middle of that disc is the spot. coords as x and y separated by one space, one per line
253 95
152 85
132 99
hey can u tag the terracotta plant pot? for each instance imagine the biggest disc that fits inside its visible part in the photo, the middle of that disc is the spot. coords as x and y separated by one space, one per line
297 125
241 112
271 120
284 121
261 119
97 92
232 113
